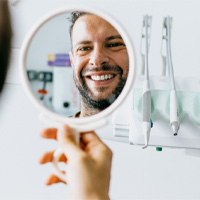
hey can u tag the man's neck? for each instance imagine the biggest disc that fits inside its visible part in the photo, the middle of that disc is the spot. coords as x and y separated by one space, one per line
87 111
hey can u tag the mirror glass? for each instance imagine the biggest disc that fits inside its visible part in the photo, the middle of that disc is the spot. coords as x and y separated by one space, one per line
77 64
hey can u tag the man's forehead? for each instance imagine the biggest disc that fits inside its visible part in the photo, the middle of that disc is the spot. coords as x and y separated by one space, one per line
92 25
91 19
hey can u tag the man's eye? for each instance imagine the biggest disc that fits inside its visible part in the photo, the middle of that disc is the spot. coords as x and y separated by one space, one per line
84 48
115 44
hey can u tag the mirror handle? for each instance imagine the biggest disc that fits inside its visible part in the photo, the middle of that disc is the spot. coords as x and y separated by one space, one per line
77 128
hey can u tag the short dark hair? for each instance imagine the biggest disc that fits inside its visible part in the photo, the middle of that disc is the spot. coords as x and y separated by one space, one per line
73 18
5 40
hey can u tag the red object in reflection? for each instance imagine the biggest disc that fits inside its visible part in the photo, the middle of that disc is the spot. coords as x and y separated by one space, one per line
42 91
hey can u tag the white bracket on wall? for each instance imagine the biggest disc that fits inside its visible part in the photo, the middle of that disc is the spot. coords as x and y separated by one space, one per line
120 122
188 95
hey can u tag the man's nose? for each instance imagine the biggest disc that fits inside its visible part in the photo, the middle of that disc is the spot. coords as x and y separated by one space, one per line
98 57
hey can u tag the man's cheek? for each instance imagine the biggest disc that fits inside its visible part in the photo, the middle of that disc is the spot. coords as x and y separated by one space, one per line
77 74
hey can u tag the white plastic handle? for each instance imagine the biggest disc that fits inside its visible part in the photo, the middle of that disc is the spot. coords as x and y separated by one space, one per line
58 172
77 128
56 168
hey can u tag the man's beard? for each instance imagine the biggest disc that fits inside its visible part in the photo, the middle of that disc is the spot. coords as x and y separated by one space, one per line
87 95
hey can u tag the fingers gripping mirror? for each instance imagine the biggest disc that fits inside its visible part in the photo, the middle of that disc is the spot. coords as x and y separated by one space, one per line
77 66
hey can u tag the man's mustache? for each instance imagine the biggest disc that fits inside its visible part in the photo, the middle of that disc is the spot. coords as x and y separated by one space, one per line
110 68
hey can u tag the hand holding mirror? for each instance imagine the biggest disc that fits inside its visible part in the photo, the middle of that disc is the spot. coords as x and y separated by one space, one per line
77 66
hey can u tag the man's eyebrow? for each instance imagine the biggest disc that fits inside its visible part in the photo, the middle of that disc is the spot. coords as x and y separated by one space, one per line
83 42
113 37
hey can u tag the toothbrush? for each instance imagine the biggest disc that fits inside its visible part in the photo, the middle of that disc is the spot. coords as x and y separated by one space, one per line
143 41
142 48
146 96
174 118
163 51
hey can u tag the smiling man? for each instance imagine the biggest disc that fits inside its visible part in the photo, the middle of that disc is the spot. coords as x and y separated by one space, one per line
100 61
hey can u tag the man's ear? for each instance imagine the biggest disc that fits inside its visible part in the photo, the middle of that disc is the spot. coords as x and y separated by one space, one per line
71 57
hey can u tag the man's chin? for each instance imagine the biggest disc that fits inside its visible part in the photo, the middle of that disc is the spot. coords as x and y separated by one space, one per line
103 97
101 94
97 103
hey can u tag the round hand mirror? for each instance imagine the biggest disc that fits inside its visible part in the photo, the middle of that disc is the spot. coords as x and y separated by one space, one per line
77 66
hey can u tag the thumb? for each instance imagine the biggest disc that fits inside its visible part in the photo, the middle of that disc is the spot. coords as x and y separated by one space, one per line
66 137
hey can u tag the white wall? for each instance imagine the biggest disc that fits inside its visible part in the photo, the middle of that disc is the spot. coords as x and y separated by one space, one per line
137 173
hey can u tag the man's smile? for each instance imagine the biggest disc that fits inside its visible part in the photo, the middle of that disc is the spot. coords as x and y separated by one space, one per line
102 77
100 85
101 74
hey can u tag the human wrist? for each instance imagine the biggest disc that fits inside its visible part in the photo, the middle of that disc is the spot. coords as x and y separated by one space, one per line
90 197
97 197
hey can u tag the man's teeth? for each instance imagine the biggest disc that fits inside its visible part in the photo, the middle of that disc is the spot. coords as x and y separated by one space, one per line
102 77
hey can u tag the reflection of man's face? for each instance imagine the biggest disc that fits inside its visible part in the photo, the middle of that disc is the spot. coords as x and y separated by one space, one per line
100 61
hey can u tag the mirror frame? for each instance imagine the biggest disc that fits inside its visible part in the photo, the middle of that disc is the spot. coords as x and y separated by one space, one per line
129 82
